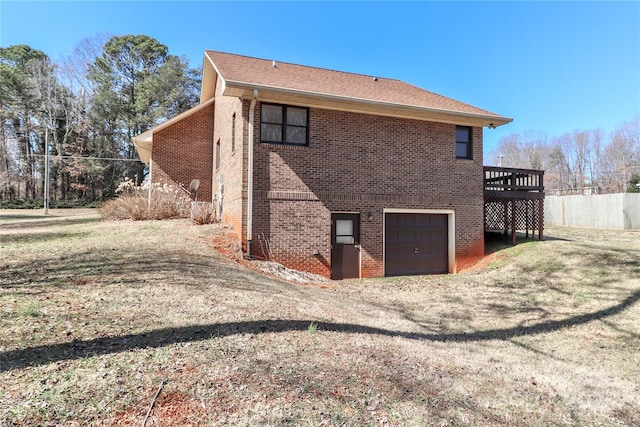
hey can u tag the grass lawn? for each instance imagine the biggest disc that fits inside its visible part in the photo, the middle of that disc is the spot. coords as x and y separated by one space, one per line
99 320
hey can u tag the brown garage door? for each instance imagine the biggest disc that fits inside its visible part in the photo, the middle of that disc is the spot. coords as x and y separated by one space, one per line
416 243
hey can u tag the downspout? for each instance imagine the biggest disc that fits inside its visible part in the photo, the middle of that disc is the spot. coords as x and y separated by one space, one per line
150 182
250 174
214 196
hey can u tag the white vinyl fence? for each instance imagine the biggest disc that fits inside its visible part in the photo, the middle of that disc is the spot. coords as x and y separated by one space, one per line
621 210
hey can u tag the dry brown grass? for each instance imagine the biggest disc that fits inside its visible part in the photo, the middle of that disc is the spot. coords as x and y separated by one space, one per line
95 315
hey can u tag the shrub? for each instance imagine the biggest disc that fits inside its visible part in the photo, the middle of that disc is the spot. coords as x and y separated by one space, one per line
22 204
634 184
53 204
158 201
202 213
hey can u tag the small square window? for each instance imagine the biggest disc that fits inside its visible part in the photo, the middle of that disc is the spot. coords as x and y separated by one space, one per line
282 124
463 142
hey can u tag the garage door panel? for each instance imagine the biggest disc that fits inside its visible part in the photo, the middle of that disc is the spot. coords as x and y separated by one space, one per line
392 249
416 243
423 234
441 235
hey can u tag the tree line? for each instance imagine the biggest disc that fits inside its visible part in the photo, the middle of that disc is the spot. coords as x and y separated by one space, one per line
86 109
584 161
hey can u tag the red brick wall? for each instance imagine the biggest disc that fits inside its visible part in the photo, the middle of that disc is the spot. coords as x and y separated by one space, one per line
183 151
354 163
362 163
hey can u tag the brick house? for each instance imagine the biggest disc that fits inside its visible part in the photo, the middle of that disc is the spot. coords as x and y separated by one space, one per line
340 174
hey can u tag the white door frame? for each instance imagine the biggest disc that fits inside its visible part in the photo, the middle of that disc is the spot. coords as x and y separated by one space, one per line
451 232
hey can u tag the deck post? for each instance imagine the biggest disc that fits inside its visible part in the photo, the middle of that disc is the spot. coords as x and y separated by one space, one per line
505 217
513 222
526 220
541 219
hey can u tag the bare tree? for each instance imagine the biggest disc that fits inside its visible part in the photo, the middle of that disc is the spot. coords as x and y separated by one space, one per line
621 158
585 147
526 151
78 173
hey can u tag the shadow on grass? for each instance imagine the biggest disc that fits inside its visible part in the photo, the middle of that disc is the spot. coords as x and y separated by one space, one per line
44 221
120 267
495 241
40 237
41 355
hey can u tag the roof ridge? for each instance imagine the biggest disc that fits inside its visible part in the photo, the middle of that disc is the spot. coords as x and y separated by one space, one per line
370 76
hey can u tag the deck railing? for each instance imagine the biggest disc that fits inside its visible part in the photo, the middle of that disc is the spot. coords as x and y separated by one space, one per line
510 179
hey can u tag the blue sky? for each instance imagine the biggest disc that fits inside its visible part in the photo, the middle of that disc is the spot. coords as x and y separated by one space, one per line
552 66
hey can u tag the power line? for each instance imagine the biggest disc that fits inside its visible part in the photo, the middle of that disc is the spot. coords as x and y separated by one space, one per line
86 157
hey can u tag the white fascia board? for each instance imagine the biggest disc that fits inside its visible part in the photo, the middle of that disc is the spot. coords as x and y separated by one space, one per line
489 119
224 82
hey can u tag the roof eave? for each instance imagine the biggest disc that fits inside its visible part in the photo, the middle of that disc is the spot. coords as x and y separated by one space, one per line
209 79
331 101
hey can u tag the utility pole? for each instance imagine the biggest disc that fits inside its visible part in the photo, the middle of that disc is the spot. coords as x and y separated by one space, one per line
46 171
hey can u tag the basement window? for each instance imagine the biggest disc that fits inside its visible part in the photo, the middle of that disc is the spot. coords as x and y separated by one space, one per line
283 124
463 142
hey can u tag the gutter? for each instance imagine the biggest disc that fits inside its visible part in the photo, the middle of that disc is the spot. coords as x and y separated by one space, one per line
494 120
250 173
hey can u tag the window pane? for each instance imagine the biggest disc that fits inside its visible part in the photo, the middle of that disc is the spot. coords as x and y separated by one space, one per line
344 227
344 231
463 134
296 116
462 150
271 133
271 113
345 239
296 135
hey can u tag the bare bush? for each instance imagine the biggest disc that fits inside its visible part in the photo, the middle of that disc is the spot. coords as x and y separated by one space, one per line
202 213
157 201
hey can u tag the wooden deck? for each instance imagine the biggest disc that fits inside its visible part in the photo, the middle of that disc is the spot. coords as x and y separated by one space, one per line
514 201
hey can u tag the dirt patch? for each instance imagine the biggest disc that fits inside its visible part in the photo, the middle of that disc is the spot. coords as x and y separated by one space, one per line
484 262
172 408
227 242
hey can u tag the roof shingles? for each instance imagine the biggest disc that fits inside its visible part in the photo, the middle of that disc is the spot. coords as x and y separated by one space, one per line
312 80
